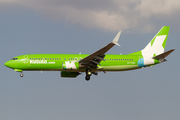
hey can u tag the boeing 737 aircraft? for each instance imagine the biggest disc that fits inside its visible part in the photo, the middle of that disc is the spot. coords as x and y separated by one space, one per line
72 65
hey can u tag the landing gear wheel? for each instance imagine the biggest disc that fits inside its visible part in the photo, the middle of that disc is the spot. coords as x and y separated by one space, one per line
21 75
87 77
88 74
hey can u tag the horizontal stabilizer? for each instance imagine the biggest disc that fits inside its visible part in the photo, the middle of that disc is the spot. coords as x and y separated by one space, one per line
163 55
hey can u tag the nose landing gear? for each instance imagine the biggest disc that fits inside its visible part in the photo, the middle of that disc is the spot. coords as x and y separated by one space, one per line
21 75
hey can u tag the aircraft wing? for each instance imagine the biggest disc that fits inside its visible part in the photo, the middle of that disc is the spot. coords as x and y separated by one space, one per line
95 58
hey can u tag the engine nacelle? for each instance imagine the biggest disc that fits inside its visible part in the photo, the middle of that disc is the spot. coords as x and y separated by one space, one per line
71 65
69 74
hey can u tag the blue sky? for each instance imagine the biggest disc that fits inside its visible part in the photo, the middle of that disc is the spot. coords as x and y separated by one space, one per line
30 27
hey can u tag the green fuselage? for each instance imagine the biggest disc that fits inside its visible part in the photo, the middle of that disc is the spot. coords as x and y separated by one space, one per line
54 62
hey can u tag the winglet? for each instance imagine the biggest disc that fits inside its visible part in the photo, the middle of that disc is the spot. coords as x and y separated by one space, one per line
115 41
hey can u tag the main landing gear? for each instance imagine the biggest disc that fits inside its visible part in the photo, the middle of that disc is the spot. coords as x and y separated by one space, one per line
21 75
88 74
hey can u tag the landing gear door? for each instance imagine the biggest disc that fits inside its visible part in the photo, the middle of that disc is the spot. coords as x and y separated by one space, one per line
26 59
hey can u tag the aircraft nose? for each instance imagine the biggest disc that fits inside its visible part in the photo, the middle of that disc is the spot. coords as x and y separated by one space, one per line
7 64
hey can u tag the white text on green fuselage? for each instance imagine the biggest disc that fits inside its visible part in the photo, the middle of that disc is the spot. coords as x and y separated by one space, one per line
38 61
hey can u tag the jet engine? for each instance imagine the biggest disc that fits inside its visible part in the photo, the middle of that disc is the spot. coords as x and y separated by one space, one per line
69 74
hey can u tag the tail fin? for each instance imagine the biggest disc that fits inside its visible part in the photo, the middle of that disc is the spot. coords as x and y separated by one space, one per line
157 44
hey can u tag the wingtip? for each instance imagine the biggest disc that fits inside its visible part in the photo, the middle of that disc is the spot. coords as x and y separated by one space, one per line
117 44
116 39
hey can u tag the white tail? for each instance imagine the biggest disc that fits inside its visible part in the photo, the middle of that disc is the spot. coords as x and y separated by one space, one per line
156 46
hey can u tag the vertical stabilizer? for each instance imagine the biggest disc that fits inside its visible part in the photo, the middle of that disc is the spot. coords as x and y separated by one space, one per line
156 45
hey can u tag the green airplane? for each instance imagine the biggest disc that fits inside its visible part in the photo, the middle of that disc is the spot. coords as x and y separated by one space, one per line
72 65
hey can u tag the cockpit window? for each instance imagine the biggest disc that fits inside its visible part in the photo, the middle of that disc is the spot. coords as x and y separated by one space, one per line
14 58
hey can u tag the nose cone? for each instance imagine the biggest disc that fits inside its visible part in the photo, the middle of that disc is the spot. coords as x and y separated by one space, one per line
7 64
